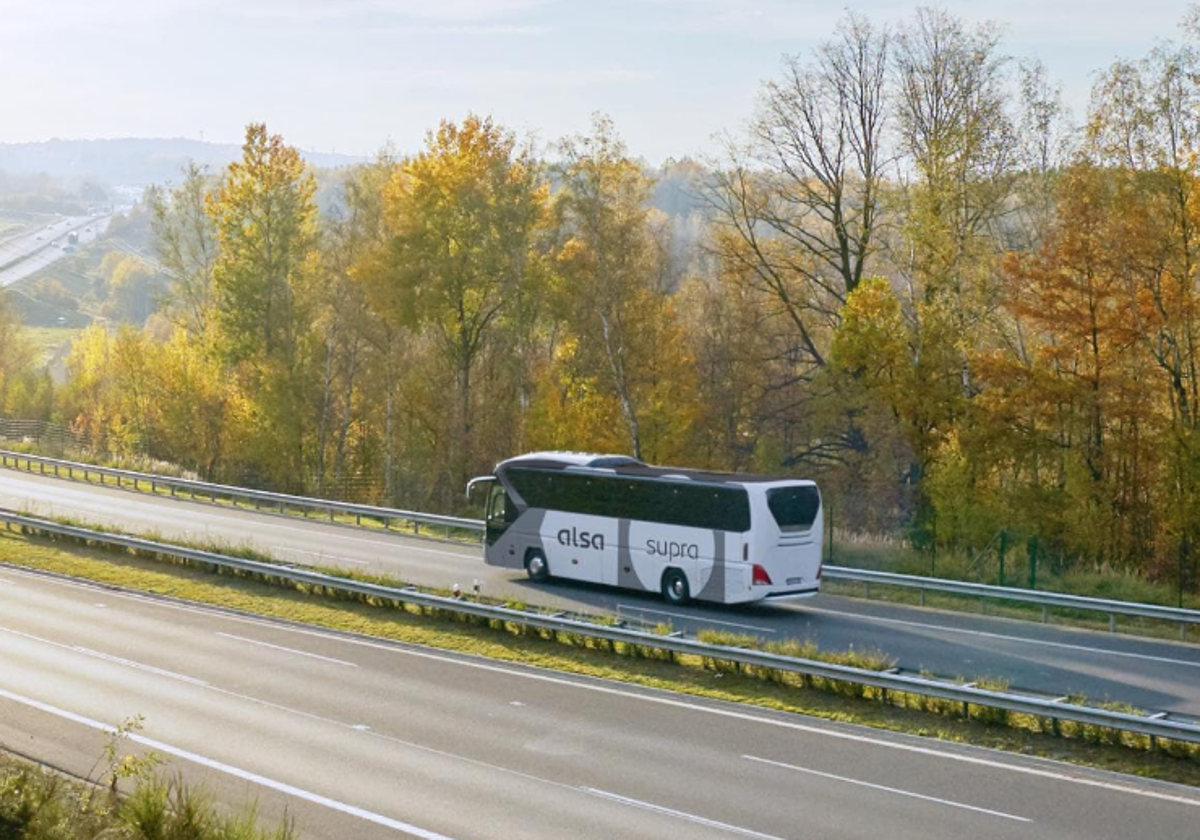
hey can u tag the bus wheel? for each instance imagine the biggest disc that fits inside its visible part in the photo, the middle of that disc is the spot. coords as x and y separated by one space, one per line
675 587
536 566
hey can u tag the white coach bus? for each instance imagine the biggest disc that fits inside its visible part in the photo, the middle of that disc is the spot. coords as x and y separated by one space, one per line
688 534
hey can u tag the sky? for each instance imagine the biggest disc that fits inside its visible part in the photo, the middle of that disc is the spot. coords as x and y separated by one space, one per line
351 75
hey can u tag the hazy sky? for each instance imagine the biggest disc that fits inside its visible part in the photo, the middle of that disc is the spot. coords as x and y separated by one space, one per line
348 75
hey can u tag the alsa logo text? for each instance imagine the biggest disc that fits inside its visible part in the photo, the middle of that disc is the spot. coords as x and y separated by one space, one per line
575 538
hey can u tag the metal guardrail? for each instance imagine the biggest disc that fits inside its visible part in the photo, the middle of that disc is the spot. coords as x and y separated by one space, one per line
199 489
213 492
1157 725
1028 596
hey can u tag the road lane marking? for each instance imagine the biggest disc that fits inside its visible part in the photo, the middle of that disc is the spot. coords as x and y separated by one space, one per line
538 674
213 764
683 815
985 634
288 650
949 802
129 663
324 555
705 619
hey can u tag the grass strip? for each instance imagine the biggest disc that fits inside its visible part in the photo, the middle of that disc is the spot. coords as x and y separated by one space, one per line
41 804
640 665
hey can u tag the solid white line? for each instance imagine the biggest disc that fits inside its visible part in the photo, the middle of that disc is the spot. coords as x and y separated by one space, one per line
323 555
229 769
683 815
984 634
533 672
289 650
129 663
887 789
705 619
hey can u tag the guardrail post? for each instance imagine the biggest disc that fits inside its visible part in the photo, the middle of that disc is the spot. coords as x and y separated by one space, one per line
416 528
922 593
386 524
1112 622
867 590
56 471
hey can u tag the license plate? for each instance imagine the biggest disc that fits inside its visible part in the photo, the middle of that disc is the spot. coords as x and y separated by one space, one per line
795 581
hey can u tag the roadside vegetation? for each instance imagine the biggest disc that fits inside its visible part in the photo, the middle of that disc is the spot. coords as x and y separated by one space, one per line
642 665
129 799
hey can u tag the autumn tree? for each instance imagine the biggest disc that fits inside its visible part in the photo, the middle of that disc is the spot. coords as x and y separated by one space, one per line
956 137
16 353
264 217
186 244
613 263
799 203
461 217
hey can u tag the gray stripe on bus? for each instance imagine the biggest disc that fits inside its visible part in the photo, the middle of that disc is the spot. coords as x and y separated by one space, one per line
626 572
714 589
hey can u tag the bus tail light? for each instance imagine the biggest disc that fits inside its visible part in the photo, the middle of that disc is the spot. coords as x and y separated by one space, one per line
760 576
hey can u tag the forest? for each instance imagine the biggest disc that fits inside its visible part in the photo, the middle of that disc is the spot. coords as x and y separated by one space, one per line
912 275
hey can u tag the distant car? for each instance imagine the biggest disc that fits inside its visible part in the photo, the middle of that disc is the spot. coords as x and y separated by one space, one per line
62 320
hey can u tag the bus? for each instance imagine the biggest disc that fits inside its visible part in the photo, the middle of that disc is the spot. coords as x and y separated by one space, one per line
687 534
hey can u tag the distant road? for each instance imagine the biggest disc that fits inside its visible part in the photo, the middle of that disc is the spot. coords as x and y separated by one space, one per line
30 252
362 739
1155 675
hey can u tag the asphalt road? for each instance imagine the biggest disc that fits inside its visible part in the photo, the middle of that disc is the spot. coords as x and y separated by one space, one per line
27 254
1155 675
362 739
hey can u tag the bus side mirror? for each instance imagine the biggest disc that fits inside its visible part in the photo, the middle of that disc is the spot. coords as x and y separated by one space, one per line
483 479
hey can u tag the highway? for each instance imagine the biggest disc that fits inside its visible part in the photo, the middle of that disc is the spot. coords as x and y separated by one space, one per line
1154 675
24 255
357 738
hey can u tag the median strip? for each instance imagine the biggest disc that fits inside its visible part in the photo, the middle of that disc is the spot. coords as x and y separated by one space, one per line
721 672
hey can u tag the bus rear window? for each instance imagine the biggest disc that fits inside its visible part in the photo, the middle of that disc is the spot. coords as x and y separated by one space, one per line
794 508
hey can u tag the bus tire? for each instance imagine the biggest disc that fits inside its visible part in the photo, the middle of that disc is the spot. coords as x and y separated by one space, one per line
536 566
675 590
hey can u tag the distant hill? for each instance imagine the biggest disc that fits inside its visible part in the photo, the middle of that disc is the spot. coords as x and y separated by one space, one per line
133 162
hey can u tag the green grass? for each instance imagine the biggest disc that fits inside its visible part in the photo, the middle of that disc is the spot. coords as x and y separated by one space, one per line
50 340
38 804
636 664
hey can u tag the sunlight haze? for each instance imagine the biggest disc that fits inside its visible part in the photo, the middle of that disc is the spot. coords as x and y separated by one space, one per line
351 76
